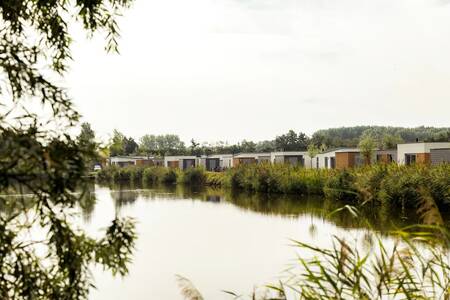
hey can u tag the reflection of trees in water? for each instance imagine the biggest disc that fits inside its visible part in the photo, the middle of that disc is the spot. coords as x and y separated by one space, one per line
123 198
21 200
87 204
376 217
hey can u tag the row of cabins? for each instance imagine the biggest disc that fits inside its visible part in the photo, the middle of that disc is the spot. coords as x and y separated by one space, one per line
342 158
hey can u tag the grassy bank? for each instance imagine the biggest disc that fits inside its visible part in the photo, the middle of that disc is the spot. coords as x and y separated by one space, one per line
381 184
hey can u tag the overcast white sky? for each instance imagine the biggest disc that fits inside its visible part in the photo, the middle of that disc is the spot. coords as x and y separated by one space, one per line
234 69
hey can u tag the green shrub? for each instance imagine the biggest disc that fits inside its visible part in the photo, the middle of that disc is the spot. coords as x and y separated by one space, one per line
339 186
217 179
153 175
194 176
170 177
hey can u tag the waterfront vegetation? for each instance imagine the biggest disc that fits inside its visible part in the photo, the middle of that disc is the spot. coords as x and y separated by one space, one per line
396 258
384 185
416 266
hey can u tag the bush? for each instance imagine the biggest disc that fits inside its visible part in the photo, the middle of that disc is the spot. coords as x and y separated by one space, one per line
194 176
153 175
170 177
218 179
339 186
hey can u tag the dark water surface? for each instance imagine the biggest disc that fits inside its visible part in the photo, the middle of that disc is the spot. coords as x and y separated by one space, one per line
220 240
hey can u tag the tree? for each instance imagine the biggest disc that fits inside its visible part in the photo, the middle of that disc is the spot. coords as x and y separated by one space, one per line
389 141
86 139
313 150
265 146
130 146
194 148
367 146
350 136
247 146
50 165
149 144
291 141
117 145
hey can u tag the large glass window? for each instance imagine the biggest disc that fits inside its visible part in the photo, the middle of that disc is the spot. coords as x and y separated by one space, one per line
410 159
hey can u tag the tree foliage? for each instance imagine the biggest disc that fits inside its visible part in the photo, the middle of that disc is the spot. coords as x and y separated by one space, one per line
292 141
166 144
367 147
46 168
86 140
386 136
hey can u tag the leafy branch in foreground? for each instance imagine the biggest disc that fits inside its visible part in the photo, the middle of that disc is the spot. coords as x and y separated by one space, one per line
54 264
42 254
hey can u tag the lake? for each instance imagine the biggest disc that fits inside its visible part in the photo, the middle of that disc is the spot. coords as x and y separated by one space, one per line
220 240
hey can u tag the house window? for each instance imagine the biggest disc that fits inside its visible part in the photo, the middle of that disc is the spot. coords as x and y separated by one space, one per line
410 159
326 162
317 162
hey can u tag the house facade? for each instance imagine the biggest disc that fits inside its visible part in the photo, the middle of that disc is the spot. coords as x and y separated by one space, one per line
181 162
386 156
123 161
423 153
250 158
216 162
342 158
293 158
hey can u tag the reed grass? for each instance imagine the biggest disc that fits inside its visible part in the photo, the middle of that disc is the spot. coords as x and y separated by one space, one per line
388 185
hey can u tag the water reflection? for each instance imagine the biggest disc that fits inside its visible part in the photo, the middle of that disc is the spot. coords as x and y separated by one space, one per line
382 219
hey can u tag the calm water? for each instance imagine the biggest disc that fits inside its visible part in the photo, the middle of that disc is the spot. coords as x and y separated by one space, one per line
219 240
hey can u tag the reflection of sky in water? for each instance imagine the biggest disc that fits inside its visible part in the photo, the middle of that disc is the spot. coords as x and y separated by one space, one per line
216 244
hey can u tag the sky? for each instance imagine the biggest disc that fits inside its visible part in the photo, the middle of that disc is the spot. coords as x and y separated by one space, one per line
227 70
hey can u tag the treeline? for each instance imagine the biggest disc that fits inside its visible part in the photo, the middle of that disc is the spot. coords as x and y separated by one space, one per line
383 137
386 136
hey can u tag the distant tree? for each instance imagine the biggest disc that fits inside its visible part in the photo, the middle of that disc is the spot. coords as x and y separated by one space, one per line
313 150
247 146
117 145
265 146
291 141
350 136
390 141
207 149
440 136
148 144
86 139
323 148
171 144
367 146
194 148
130 146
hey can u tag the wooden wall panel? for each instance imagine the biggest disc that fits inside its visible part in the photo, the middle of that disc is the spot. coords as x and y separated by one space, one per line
235 162
173 164
423 158
345 160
